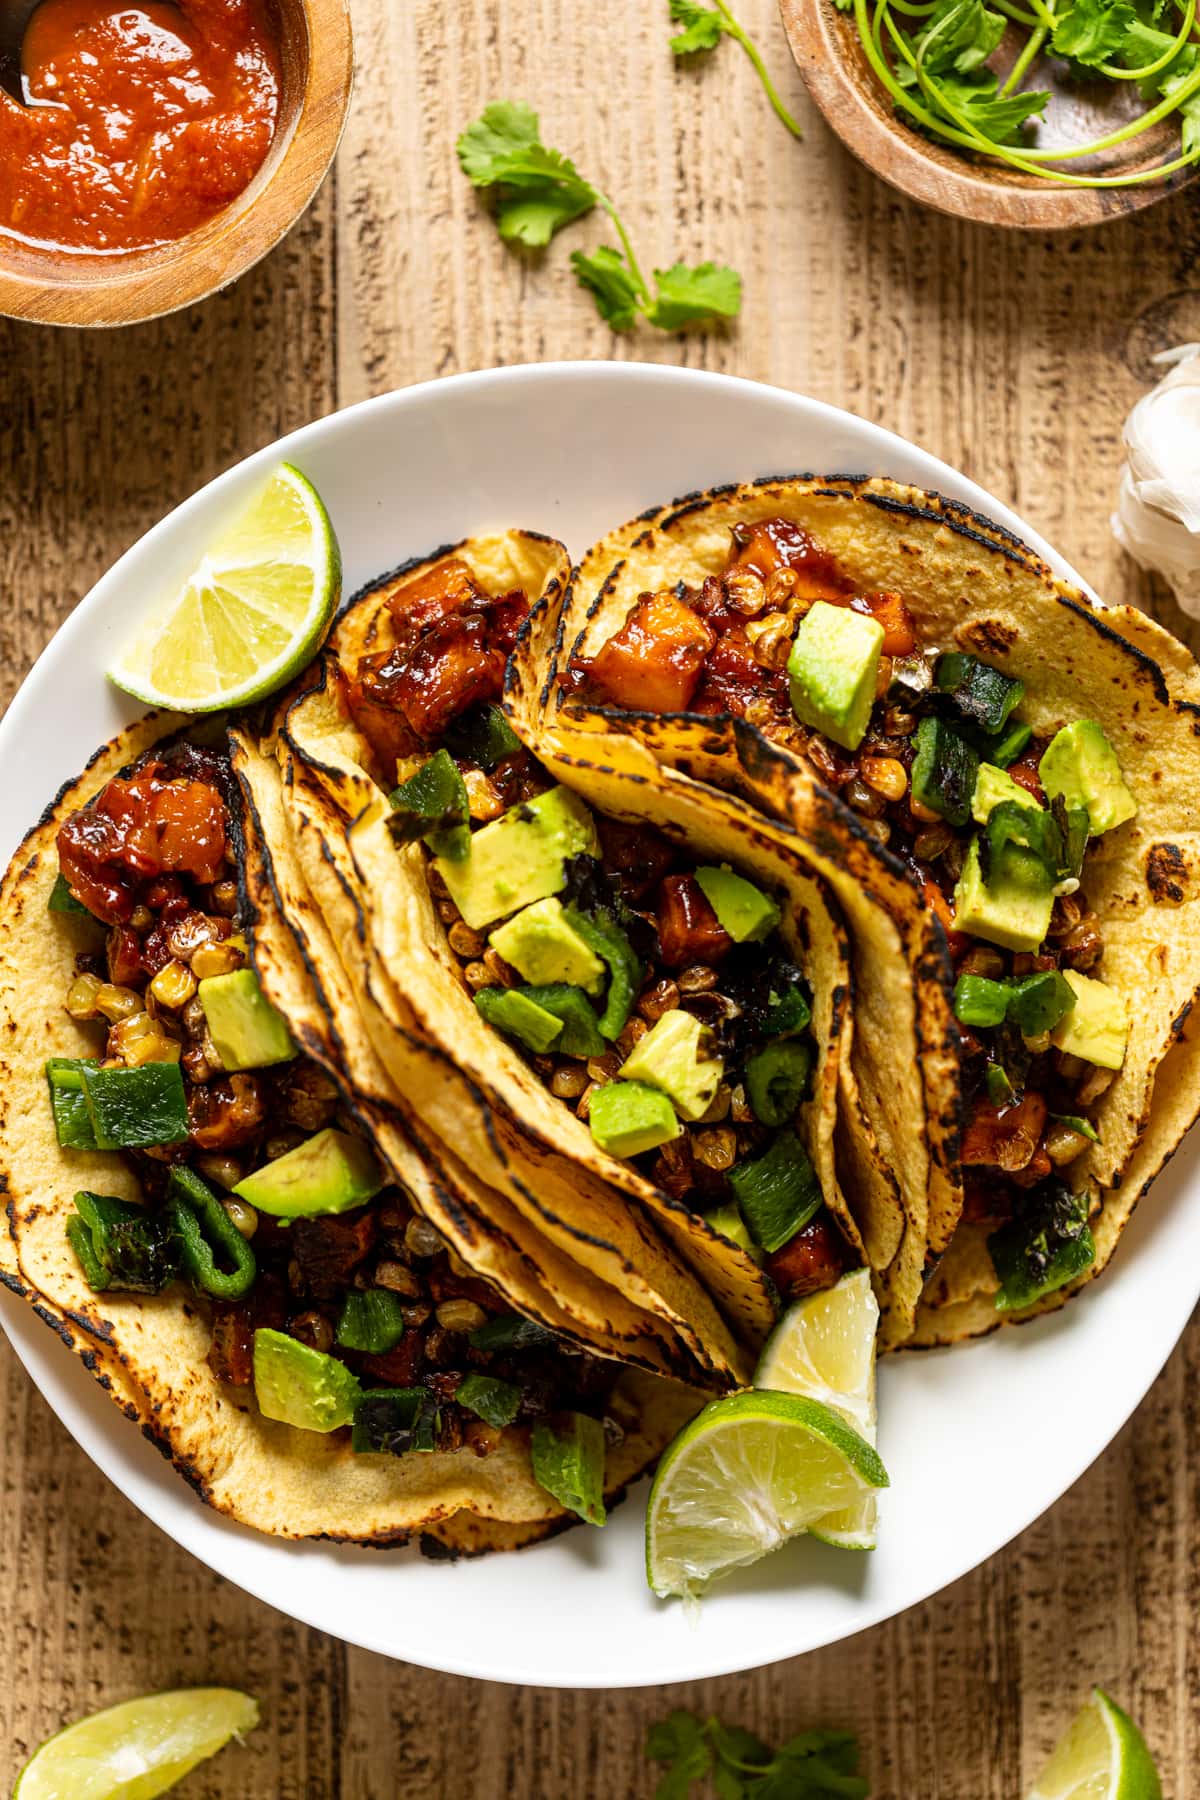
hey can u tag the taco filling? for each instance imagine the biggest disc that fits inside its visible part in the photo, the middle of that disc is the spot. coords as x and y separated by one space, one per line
993 823
328 1293
651 994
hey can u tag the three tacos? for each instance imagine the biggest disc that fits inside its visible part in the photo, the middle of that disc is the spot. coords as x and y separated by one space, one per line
803 882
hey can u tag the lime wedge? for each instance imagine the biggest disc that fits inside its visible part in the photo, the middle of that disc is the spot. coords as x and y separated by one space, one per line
748 1473
1102 1757
252 612
824 1348
138 1749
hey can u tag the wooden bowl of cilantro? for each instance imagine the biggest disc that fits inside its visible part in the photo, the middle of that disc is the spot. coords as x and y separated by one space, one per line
1039 114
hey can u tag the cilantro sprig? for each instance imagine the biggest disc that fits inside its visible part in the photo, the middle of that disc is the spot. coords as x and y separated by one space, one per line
537 191
703 29
934 59
816 1765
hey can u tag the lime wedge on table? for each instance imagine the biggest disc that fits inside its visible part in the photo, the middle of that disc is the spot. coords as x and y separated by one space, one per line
252 612
138 1749
824 1348
748 1473
1102 1757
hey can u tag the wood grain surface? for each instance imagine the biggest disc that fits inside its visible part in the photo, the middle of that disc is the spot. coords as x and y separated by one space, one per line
1015 358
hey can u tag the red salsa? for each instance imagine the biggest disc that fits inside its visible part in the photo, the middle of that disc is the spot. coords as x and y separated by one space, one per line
146 120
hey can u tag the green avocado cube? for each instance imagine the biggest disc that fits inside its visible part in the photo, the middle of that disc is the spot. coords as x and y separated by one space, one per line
742 909
833 669
992 785
519 857
328 1173
675 1056
1097 1027
1081 765
1013 910
543 946
245 1028
300 1386
518 1016
627 1117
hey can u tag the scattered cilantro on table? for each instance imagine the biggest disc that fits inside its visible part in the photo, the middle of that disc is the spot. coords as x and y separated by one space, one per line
703 29
537 191
934 60
816 1765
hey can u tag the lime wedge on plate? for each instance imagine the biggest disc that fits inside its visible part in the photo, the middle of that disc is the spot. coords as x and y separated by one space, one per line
1102 1757
748 1473
252 612
824 1348
138 1749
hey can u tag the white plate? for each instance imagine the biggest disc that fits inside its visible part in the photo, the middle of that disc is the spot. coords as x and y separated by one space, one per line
978 1440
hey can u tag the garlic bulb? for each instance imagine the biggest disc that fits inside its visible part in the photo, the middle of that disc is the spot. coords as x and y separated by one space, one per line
1158 505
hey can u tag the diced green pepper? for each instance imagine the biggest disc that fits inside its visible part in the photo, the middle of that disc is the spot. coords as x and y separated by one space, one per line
511 1011
372 1321
1047 1244
205 1230
385 1419
123 1246
72 1121
1040 1001
510 1331
1014 743
433 804
601 932
777 1079
135 1108
980 694
580 1028
788 1009
778 1192
980 1002
999 1088
568 1461
482 735
494 1401
944 770
1075 1122
62 900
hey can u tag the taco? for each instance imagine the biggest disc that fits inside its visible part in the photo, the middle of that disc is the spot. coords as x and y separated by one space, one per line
644 995
1006 764
240 1246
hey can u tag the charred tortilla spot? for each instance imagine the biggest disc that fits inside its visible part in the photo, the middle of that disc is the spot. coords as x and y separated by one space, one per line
1167 874
989 637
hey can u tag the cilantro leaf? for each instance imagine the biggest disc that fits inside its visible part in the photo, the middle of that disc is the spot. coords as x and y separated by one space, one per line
538 191
958 37
681 1741
608 279
1091 32
703 28
698 296
816 1765
978 100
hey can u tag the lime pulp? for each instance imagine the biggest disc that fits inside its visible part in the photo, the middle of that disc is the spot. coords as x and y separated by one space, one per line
137 1749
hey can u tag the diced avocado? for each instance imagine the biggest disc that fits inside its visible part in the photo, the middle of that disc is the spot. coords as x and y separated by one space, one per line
992 785
543 946
1081 765
519 857
627 1117
742 909
730 1223
515 1014
328 1173
833 667
581 1034
673 1056
1097 1028
1012 910
300 1386
245 1028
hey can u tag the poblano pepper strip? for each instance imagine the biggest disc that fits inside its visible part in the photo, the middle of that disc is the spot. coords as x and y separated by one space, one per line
123 1246
601 933
205 1230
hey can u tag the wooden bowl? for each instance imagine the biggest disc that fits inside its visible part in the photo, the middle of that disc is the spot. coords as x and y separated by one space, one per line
57 287
829 53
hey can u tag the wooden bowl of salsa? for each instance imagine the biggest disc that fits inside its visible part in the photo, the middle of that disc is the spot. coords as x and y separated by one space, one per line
168 145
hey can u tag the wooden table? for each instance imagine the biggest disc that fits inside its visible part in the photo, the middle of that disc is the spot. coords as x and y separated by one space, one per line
1016 359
